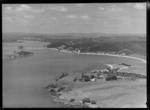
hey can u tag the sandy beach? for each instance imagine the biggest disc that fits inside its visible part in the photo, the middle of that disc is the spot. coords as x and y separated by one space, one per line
88 53
143 60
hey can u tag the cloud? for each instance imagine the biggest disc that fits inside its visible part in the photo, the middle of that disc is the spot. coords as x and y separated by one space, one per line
27 8
72 16
7 19
114 8
23 8
8 8
79 4
140 6
22 14
58 8
111 8
101 8
84 17
23 20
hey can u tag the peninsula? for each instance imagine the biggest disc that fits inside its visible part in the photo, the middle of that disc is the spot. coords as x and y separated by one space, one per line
83 90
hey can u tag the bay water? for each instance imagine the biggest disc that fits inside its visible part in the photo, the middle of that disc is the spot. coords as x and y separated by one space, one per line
25 79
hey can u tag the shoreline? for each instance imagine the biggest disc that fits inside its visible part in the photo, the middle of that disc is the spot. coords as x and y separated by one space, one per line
111 66
61 100
78 103
137 58
88 53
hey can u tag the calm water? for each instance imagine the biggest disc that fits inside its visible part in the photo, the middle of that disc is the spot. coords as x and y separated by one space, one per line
24 79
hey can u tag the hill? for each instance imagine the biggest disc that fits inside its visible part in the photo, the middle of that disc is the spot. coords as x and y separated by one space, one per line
87 42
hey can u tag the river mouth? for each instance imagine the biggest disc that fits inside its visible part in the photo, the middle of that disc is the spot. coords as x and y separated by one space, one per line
24 79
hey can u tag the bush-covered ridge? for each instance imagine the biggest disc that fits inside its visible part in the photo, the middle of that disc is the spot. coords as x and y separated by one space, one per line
126 46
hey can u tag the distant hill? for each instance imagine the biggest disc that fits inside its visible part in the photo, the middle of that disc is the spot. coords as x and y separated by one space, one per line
69 35
127 45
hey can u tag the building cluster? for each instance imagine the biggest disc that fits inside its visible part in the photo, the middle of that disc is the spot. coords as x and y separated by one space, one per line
93 76
107 74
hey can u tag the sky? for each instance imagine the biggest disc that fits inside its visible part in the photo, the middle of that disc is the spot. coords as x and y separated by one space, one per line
116 18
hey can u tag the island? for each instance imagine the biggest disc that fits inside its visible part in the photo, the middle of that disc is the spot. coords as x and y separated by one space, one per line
17 54
24 53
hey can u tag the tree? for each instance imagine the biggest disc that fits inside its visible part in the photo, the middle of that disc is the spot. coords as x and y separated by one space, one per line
82 75
72 100
15 52
86 100
21 48
60 89
110 70
92 76
93 102
116 70
75 79
52 85
111 77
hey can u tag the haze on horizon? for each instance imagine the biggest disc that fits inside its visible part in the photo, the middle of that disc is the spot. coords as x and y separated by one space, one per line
116 18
